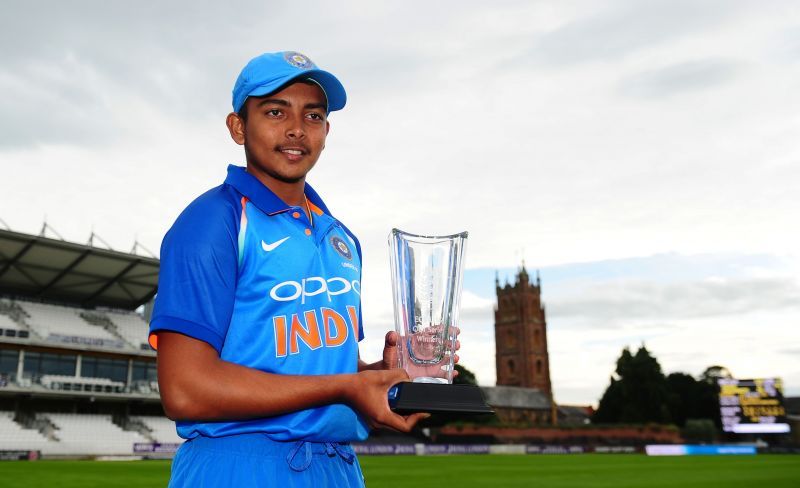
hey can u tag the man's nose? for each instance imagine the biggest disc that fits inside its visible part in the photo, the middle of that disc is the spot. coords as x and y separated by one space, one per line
295 130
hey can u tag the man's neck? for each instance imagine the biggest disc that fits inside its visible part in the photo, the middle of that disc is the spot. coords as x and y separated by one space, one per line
291 193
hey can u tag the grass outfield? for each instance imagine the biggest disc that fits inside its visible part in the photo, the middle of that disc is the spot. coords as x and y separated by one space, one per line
557 471
585 470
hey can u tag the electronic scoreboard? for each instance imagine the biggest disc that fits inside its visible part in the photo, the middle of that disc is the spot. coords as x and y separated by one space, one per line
752 406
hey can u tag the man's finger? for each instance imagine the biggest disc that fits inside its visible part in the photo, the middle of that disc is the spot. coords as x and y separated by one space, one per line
390 359
395 422
391 339
404 423
412 419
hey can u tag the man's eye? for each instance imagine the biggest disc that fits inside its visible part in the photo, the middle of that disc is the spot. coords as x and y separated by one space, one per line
273 112
315 116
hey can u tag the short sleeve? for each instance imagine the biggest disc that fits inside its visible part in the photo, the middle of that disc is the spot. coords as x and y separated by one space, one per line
199 266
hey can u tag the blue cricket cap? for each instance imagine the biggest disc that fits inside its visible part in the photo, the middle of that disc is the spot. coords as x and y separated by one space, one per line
269 72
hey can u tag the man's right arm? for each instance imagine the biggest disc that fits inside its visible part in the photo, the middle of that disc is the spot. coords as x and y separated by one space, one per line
196 384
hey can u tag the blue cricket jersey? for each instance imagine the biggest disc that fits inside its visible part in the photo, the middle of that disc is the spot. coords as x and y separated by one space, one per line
270 290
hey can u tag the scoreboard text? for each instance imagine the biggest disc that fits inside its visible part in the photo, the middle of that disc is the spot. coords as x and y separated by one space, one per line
752 406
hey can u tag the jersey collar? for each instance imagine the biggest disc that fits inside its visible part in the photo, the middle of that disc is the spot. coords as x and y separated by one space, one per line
261 196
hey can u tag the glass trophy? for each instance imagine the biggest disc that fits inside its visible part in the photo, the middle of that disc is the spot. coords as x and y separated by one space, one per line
426 282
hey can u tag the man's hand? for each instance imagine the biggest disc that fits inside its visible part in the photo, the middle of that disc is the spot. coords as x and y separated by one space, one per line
369 396
390 359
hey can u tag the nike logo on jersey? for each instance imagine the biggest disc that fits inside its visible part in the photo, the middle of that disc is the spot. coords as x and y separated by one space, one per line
271 247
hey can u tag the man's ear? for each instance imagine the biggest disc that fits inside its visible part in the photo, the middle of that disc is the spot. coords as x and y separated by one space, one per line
235 127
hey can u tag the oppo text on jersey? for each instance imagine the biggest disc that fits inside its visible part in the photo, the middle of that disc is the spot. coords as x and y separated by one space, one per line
287 291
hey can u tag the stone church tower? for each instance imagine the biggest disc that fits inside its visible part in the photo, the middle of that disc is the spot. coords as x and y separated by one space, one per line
520 333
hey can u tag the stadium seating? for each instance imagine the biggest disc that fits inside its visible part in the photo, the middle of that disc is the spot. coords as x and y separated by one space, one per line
131 326
53 319
81 434
7 323
144 387
161 429
73 383
15 437
10 328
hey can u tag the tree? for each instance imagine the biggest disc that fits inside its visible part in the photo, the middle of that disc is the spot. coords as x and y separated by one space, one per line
683 391
693 399
713 373
465 376
708 395
610 404
639 395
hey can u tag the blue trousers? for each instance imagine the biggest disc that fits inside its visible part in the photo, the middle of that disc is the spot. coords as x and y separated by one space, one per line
254 460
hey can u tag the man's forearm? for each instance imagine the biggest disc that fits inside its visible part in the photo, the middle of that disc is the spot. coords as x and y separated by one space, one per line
197 385
235 392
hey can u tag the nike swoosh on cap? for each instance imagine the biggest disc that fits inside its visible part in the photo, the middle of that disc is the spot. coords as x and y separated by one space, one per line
271 247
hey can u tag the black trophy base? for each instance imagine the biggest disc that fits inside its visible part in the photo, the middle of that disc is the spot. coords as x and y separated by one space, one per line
408 397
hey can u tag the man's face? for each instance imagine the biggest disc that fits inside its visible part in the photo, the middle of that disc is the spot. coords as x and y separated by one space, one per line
285 132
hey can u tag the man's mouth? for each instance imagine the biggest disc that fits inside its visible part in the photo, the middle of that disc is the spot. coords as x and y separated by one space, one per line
296 151
293 153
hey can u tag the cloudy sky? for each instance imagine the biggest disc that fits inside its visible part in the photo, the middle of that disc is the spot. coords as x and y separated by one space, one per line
642 155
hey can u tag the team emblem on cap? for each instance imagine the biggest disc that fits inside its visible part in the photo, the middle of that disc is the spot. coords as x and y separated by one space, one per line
298 60
341 247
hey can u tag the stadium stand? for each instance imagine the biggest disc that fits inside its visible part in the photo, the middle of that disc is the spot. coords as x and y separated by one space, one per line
14 436
7 323
161 429
130 327
89 433
77 377
54 321
73 383
11 322
9 328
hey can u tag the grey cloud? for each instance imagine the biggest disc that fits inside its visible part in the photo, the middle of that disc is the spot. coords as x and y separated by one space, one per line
646 300
88 62
626 27
477 314
679 78
79 72
657 326
785 45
